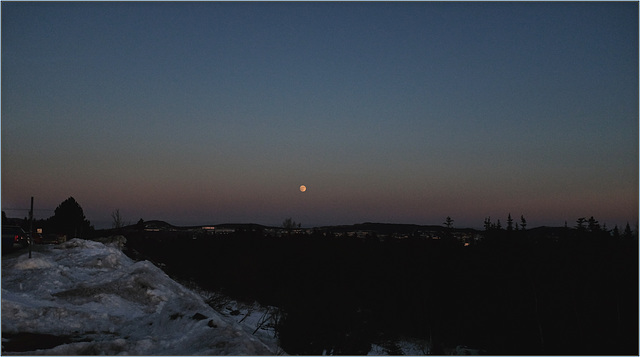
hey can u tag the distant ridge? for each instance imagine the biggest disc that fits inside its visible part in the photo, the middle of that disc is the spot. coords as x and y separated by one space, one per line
243 226
383 228
158 224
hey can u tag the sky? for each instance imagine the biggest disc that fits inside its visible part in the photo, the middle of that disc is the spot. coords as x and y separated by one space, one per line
409 112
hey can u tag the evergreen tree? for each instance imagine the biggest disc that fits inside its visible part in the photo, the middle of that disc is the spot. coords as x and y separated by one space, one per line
487 223
627 234
615 233
69 219
523 222
509 223
448 222
593 225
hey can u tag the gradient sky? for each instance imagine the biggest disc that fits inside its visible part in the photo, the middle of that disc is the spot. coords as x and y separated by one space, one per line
206 113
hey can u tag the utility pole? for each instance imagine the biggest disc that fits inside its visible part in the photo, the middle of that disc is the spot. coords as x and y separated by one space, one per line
30 227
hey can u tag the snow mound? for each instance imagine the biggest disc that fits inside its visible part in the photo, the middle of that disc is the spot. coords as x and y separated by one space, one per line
93 299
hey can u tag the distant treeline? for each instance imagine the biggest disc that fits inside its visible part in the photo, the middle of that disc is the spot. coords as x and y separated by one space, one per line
539 291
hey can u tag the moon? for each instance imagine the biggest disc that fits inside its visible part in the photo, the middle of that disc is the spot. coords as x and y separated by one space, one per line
303 188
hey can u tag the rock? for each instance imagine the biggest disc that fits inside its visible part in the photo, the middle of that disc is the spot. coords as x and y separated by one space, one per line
198 316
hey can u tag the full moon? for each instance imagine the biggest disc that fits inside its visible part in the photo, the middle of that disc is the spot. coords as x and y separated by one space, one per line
303 188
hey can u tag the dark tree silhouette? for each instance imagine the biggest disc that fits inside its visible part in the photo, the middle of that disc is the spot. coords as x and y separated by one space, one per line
523 223
593 225
448 222
509 223
487 223
69 219
615 233
627 234
117 221
289 225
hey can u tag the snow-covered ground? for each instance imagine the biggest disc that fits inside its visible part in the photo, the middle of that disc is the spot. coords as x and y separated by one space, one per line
84 297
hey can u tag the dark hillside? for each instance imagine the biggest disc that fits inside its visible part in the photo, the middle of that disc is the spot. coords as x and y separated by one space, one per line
564 292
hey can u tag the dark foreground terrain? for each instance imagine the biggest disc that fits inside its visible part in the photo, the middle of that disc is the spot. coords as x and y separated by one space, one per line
559 292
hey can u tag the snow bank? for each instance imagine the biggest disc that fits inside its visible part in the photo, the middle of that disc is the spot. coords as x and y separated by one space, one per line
98 301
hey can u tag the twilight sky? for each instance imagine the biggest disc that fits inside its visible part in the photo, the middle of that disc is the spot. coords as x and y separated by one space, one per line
206 113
